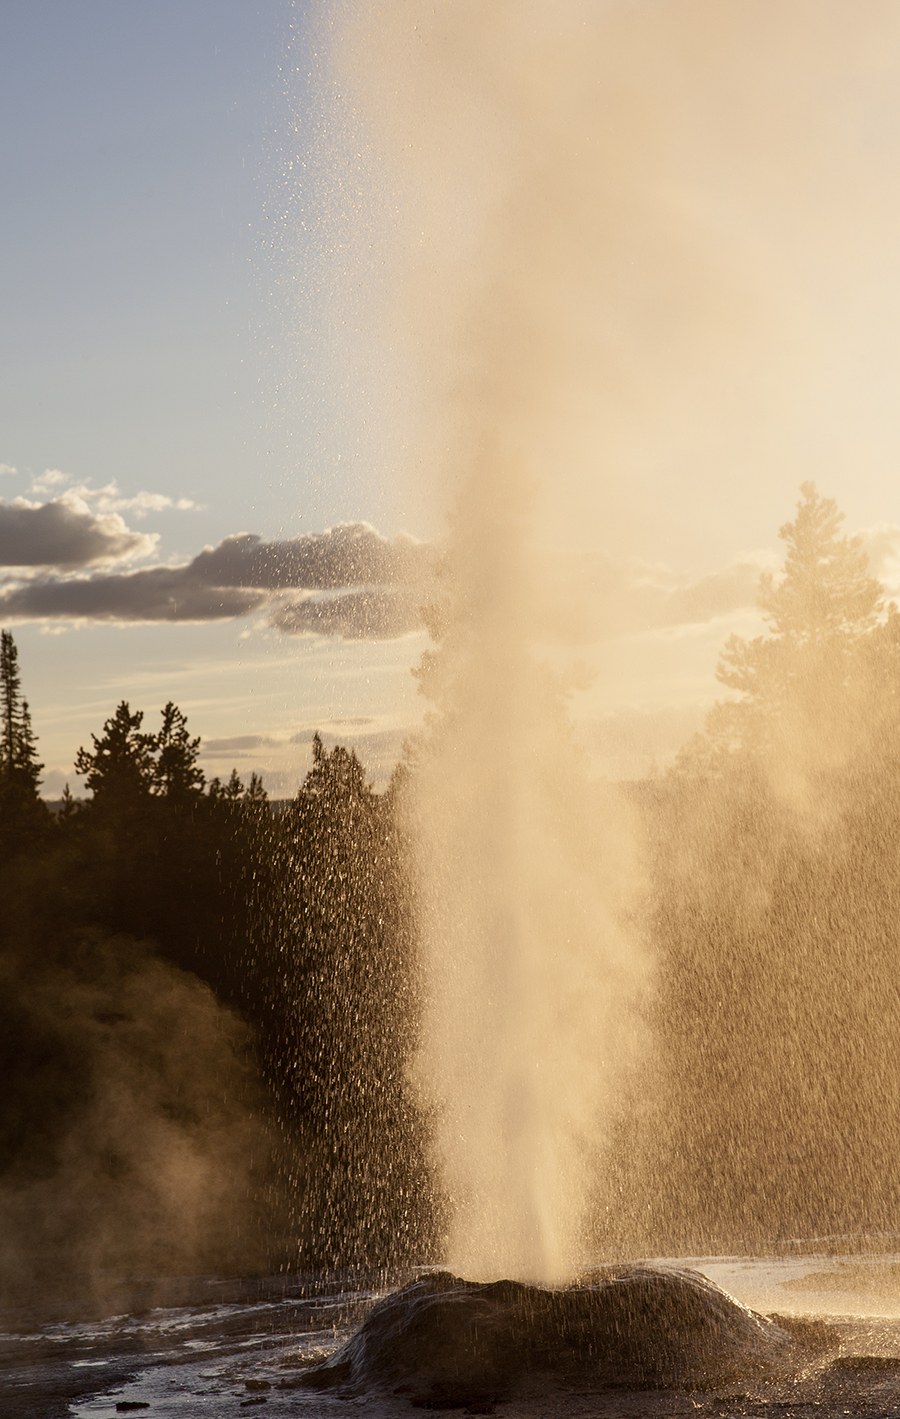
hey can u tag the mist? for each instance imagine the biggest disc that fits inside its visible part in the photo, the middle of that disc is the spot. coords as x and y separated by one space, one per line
131 1142
611 229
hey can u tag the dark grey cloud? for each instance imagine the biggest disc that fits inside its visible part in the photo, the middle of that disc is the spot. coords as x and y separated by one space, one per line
380 613
65 533
244 574
240 744
152 594
351 554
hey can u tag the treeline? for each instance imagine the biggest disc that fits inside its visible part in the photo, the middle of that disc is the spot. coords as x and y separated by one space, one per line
771 1105
206 1012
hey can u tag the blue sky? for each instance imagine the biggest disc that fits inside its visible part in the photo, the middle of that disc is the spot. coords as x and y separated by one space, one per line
203 265
142 165
131 165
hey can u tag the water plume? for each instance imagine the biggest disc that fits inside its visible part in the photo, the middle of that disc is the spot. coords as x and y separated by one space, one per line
531 969
598 221
530 973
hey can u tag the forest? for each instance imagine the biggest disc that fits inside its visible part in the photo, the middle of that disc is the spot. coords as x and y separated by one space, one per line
208 1005
203 1012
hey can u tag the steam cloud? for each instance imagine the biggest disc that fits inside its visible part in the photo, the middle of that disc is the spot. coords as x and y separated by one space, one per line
133 1150
588 316
594 301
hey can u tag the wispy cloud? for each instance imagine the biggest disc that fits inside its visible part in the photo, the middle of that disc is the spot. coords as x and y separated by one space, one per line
50 479
596 597
108 498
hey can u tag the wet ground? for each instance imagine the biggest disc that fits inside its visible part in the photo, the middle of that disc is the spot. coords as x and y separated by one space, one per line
217 1347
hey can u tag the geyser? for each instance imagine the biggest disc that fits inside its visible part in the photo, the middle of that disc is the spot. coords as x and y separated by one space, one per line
532 971
569 190
530 975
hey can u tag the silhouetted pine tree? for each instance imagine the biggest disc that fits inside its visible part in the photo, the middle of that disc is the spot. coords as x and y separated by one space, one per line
177 775
806 686
23 813
121 768
340 1018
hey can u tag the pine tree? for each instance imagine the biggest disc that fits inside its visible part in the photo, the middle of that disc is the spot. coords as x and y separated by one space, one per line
19 768
68 806
177 775
255 793
229 792
121 768
10 690
803 684
824 603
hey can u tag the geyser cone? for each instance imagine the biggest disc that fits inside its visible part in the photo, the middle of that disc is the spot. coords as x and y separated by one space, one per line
445 1343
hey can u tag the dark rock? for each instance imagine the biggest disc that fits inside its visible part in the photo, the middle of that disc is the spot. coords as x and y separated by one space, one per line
443 1343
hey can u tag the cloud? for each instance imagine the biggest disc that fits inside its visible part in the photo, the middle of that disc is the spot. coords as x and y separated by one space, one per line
882 544
242 575
284 760
733 589
347 582
7 468
50 478
351 554
152 594
66 533
108 498
385 613
240 745
596 597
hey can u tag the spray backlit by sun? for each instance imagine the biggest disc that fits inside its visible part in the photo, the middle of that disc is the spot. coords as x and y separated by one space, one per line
529 975
524 876
585 320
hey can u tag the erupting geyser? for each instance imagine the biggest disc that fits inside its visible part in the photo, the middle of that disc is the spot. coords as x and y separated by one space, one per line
530 976
544 285
531 973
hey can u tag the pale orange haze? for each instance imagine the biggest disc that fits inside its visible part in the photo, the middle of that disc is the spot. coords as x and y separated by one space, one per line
619 237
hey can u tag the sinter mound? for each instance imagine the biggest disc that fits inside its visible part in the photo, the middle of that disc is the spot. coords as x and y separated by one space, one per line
446 1343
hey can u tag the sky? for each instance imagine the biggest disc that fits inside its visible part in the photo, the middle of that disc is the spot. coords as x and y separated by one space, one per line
232 271
141 166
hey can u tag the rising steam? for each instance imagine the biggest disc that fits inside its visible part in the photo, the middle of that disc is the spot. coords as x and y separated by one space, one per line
605 295
530 974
